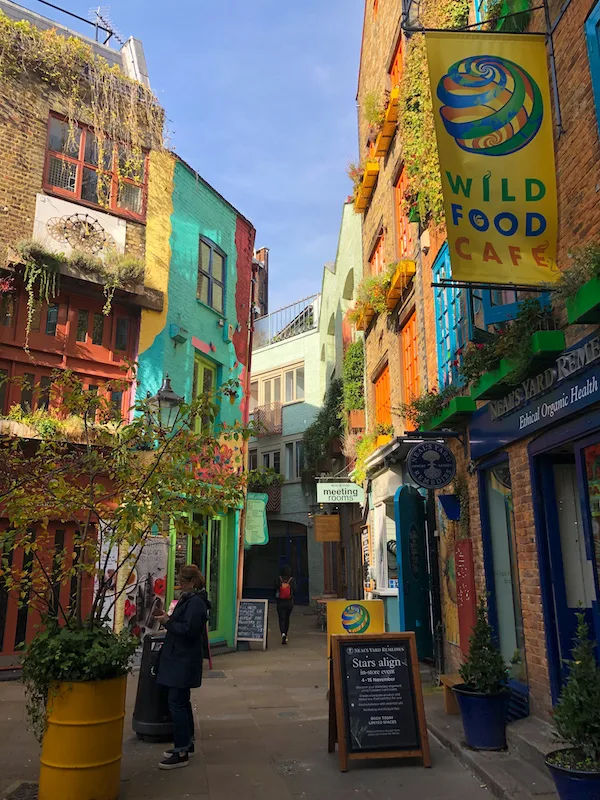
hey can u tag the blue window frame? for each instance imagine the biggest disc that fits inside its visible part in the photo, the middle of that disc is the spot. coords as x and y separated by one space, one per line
450 320
500 305
481 10
592 35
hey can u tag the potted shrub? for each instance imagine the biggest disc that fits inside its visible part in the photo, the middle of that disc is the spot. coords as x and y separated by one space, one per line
483 695
113 490
576 769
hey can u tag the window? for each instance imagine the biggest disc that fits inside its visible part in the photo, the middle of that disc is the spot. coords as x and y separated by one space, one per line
44 393
8 307
397 63
272 460
116 405
272 390
211 275
481 10
72 165
98 329
52 319
253 459
36 318
450 320
27 392
83 321
122 334
375 8
410 364
405 244
294 385
376 260
294 460
383 411
204 382
592 33
286 386
253 396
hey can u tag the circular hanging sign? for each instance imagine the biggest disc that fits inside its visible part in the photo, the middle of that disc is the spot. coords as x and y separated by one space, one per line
431 465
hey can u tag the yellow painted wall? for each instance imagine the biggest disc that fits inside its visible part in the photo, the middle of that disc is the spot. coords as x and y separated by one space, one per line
158 246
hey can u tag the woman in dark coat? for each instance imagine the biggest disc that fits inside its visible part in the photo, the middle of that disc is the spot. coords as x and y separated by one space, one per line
180 665
285 589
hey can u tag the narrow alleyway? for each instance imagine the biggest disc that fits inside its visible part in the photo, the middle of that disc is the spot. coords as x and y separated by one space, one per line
263 734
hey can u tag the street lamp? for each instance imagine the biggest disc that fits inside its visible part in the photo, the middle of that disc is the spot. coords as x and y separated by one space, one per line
165 404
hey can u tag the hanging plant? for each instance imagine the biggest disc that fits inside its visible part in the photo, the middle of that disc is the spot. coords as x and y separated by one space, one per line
372 291
365 445
425 406
353 371
461 490
355 172
585 265
41 278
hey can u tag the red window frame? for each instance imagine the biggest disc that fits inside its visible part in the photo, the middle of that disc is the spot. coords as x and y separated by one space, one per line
405 241
383 406
375 8
397 67
376 262
80 163
410 363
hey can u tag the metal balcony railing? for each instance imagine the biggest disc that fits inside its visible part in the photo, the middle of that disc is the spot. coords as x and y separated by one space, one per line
292 320
269 419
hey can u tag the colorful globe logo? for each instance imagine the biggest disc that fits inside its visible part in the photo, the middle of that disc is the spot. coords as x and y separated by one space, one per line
355 618
491 106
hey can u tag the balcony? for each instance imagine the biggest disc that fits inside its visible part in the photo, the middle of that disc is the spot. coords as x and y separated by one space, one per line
390 122
367 186
287 322
269 420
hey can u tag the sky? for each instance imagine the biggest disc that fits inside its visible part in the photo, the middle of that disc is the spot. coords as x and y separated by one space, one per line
260 96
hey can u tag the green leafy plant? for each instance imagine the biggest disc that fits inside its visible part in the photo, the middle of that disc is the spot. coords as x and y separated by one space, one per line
64 654
422 408
514 341
325 428
384 429
585 265
475 360
374 107
461 490
576 715
264 478
353 372
372 290
499 15
484 671
364 447
355 172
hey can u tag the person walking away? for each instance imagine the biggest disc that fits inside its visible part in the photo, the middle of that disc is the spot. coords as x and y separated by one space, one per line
180 664
285 590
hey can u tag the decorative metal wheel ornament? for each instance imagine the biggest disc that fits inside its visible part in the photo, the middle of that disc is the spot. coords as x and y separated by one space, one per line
81 231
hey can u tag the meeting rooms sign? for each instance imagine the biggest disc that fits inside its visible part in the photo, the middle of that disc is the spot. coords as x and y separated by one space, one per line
340 492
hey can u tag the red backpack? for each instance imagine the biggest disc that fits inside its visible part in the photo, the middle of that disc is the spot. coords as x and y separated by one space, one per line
285 590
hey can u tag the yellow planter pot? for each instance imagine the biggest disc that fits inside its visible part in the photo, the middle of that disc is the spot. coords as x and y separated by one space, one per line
81 751
383 440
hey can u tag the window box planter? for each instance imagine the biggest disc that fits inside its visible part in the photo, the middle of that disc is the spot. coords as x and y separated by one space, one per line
365 190
458 410
585 306
413 215
356 419
369 313
545 346
381 441
400 280
390 122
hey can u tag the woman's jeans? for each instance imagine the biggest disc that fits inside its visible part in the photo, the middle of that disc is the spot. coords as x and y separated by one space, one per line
182 715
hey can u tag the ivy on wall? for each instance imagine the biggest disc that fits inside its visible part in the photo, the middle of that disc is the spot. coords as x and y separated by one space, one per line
353 371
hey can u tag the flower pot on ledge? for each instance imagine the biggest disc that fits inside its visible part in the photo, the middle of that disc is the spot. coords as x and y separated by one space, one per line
356 419
458 410
584 307
399 282
383 440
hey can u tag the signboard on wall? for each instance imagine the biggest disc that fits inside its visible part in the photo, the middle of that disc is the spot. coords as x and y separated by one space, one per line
493 121
327 528
340 492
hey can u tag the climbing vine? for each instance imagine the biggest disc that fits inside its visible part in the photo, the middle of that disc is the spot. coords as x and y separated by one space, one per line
415 121
119 109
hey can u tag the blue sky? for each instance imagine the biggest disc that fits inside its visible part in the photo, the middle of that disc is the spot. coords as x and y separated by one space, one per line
260 95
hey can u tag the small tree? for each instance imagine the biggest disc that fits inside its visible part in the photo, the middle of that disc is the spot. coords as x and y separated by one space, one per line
119 483
577 713
484 670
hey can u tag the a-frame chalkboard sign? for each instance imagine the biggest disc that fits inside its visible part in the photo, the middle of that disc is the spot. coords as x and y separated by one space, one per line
375 700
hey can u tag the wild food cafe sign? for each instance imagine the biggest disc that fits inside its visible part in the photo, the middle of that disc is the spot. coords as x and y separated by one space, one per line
570 385
493 121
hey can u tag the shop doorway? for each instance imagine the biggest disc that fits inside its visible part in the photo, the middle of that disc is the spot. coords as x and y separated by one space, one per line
568 499
262 563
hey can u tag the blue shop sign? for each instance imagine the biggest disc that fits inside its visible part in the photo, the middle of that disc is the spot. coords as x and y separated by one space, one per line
572 384
431 465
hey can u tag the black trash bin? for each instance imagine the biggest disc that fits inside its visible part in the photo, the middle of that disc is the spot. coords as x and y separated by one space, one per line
151 717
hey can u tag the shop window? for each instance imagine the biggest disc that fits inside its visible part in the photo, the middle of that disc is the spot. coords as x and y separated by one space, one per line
405 244
122 334
271 460
450 320
294 460
397 64
211 275
383 411
253 459
52 319
410 364
72 164
376 261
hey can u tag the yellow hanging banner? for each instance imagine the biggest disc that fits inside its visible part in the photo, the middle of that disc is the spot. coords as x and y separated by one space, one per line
493 120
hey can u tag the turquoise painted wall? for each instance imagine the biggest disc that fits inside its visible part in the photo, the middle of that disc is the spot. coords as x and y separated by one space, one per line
197 210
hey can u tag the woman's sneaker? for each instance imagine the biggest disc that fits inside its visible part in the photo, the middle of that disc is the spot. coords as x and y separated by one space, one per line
283 638
171 752
175 761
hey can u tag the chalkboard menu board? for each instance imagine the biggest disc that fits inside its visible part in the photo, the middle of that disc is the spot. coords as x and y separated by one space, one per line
376 702
252 621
